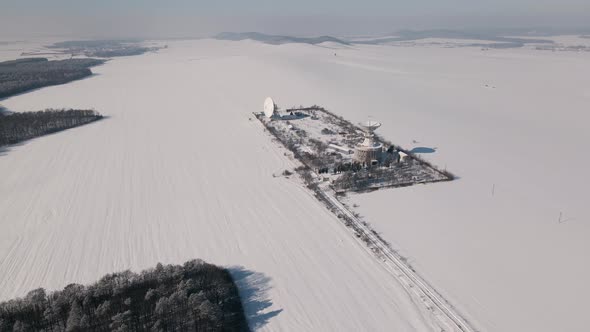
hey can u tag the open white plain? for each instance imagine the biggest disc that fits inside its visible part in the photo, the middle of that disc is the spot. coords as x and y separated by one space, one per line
178 171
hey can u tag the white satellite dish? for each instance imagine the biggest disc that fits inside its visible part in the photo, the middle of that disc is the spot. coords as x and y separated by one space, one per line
269 107
370 126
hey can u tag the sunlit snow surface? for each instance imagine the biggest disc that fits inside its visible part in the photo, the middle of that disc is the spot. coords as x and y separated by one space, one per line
178 171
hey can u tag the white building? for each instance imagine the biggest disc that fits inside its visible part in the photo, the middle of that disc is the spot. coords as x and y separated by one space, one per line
369 152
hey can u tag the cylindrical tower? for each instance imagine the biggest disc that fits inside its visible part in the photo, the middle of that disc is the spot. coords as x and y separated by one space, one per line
369 152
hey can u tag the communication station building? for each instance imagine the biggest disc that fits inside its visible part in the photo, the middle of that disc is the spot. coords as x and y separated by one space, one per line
370 152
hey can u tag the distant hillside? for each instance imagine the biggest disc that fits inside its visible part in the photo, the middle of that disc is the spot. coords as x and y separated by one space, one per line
277 40
409 35
399 36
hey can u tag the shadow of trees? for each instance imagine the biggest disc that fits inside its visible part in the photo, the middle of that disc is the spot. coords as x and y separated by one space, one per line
4 149
253 288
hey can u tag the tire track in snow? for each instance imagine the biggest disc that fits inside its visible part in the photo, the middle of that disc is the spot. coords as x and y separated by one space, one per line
446 318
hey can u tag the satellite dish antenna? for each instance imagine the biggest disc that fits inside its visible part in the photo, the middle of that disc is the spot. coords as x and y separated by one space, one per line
269 107
370 126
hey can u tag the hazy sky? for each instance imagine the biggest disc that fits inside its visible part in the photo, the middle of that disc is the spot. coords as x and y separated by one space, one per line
184 18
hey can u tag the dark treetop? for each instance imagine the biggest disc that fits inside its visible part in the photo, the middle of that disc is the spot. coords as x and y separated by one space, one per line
193 297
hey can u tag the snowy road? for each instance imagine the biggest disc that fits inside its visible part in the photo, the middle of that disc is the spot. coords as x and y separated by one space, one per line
444 315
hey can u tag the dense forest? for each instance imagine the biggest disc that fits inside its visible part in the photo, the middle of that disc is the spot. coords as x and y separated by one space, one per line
17 76
196 296
17 127
103 48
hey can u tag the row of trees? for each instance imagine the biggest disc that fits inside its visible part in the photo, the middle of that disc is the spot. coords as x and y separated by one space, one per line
408 172
196 296
17 76
17 127
103 48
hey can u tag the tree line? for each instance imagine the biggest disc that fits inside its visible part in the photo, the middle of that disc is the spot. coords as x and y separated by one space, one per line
17 127
18 76
104 48
196 296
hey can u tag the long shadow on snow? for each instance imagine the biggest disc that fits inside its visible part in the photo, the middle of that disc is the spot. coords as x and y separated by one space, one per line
4 149
253 288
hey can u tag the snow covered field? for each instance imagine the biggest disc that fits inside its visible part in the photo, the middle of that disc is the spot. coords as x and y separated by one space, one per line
491 241
178 171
